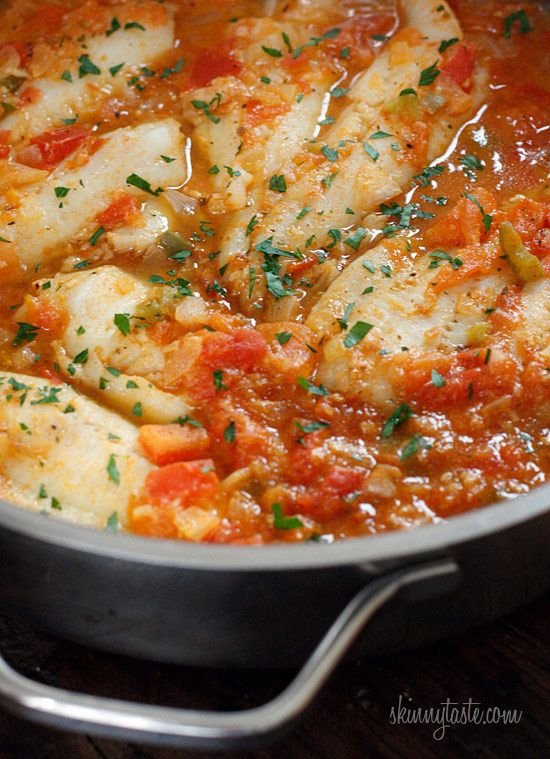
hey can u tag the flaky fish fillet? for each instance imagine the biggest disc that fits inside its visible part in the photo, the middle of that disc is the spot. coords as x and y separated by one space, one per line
64 454
119 362
390 292
39 224
144 32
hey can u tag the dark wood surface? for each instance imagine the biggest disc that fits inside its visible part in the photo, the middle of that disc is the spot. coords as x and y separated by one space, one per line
505 664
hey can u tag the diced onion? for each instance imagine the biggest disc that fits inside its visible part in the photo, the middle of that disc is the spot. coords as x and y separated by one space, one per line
181 203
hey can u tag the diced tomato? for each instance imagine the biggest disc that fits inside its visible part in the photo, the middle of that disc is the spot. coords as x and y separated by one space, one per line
460 66
187 482
121 211
292 357
260 113
462 224
50 148
46 20
471 376
244 348
357 32
4 143
252 439
325 499
28 96
164 332
343 480
11 269
210 64
21 49
47 317
49 373
508 310
168 443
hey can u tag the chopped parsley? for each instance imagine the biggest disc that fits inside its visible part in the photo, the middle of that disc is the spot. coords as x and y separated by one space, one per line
280 522
176 68
122 322
523 23
370 151
206 108
447 43
180 285
277 183
429 75
115 26
217 377
142 184
134 25
230 432
437 379
251 224
487 218
312 388
416 443
112 522
96 235
26 333
399 416
82 357
272 51
87 67
283 337
441 255
329 153
429 173
354 240
357 333
112 470
315 41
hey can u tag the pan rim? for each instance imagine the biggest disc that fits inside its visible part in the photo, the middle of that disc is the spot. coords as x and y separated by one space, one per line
364 550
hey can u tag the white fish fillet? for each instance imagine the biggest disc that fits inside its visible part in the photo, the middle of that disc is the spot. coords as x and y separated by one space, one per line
402 318
38 224
91 299
62 99
49 451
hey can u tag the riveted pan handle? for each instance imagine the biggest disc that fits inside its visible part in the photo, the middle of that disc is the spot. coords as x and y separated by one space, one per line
186 728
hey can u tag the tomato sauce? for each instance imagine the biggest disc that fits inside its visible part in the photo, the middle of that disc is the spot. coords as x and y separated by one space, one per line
269 444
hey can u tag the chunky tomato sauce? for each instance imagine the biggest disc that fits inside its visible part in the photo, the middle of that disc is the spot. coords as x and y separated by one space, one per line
271 450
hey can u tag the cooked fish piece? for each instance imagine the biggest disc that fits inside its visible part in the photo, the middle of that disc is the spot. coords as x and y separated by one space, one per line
387 304
99 350
141 34
400 102
65 454
39 225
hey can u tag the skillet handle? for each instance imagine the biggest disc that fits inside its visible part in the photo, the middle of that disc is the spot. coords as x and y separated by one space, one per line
187 728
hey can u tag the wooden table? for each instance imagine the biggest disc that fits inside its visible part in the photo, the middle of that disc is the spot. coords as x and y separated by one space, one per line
505 664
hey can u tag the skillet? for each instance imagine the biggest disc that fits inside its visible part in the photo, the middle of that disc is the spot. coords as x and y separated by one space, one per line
223 606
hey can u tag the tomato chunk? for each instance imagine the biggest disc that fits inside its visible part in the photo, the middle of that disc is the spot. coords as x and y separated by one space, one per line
461 66
168 443
121 211
243 349
190 483
50 148
211 64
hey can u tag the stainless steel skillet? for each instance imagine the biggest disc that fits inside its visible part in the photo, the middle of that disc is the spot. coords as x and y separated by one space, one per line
225 606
